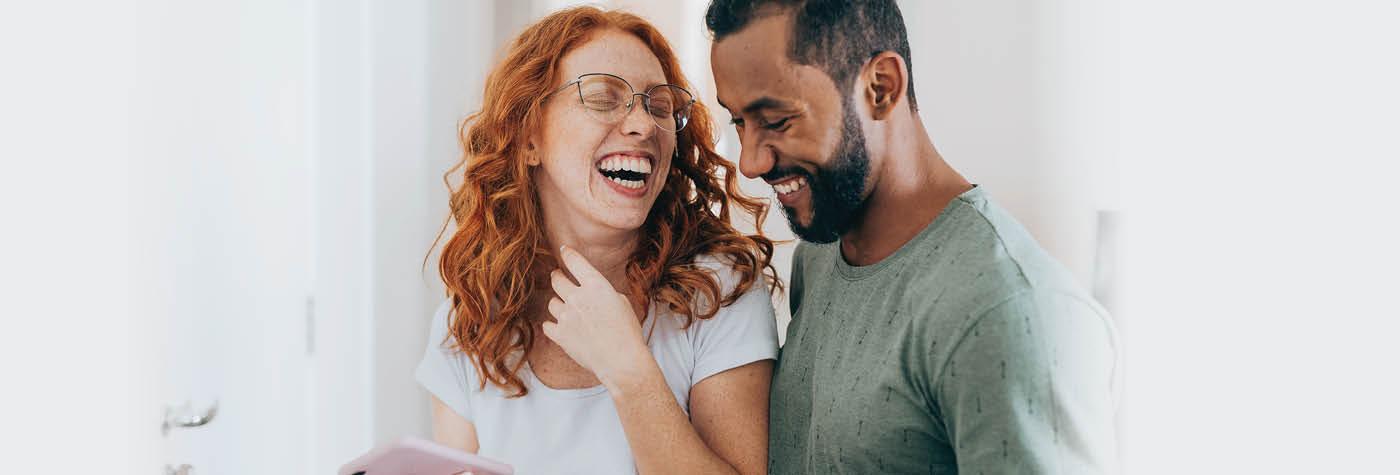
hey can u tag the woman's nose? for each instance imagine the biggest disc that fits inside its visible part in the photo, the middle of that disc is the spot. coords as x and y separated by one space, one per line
637 121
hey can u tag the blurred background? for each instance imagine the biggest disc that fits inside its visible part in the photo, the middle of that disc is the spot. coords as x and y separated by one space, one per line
287 188
219 214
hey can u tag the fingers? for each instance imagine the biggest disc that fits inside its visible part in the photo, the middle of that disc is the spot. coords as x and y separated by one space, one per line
550 329
556 308
563 287
580 267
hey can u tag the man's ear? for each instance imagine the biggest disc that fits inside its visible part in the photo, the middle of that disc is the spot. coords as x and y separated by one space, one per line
884 80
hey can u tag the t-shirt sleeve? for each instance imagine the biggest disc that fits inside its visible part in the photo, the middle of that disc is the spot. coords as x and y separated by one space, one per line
741 333
1029 389
795 281
444 371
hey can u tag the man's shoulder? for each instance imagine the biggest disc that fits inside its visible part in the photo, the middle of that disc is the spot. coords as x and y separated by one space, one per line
808 254
973 256
981 258
980 249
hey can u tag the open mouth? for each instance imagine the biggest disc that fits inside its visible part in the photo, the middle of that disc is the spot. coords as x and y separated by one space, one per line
791 190
790 186
627 171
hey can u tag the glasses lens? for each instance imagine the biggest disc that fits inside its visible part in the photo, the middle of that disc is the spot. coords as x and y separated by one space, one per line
605 95
669 107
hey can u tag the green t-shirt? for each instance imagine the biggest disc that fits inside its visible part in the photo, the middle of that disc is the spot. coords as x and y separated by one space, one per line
969 350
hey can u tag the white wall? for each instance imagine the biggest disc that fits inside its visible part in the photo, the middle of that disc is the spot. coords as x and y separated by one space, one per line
427 63
343 351
398 111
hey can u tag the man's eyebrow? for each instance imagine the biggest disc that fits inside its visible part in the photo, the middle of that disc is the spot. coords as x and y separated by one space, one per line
761 103
758 104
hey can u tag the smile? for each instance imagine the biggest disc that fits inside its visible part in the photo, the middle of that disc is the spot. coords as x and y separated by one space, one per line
790 186
626 170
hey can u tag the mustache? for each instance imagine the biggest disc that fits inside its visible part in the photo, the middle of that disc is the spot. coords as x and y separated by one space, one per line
778 173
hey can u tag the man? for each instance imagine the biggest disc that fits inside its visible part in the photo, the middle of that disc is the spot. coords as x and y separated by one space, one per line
930 333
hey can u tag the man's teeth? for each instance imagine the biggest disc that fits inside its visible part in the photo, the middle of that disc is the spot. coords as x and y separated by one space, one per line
628 183
790 185
623 162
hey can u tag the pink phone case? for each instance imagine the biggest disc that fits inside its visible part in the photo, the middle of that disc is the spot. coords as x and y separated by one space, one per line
412 456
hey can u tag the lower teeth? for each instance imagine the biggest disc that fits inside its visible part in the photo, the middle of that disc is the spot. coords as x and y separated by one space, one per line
627 183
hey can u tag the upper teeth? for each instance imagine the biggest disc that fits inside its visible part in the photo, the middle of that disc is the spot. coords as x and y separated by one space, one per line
790 185
624 162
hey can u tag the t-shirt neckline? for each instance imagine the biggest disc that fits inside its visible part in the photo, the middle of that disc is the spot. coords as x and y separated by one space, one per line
850 272
536 385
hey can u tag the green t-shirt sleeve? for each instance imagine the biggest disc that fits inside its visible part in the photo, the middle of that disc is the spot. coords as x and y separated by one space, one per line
795 281
1029 389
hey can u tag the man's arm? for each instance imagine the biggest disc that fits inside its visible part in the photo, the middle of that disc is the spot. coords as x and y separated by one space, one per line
1029 389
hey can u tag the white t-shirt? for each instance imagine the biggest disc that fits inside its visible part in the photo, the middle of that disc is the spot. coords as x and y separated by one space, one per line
578 430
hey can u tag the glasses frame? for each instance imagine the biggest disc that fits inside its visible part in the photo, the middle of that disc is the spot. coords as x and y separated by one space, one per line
632 99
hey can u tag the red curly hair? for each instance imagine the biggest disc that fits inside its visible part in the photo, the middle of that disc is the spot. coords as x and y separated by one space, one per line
498 255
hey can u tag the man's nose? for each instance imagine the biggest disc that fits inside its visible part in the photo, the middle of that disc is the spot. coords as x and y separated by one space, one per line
754 159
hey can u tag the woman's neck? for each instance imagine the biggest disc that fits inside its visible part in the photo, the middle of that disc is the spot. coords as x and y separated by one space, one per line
608 251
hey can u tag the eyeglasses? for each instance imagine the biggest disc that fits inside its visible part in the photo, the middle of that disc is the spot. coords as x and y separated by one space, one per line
610 98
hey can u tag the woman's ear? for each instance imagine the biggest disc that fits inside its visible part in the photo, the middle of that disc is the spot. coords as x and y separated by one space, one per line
532 156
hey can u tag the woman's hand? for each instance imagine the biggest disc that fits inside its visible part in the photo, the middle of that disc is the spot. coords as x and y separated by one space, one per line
594 324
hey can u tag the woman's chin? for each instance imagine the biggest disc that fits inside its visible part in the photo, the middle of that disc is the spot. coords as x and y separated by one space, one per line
622 214
626 223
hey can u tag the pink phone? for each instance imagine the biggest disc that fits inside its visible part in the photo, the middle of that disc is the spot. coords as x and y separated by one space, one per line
412 456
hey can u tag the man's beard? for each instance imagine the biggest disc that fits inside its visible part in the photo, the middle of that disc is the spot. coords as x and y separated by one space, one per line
838 189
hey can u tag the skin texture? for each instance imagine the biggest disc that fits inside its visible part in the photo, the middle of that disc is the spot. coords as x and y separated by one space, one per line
591 333
789 116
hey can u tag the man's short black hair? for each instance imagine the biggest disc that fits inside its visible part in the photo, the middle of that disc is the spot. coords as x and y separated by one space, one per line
837 36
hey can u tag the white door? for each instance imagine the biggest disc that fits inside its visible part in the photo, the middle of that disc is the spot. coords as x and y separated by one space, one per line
221 238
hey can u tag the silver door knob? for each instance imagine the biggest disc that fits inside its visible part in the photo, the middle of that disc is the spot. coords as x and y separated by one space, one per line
183 417
183 469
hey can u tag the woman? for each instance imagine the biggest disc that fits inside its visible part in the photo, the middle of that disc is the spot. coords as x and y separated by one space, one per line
592 243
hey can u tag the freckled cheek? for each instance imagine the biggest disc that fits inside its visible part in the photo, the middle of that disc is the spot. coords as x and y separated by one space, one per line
666 162
569 171
571 157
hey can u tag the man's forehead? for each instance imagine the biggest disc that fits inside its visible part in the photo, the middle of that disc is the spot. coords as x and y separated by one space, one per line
753 63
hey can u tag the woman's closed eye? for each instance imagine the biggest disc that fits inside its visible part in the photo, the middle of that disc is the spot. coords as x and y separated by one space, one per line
602 102
660 108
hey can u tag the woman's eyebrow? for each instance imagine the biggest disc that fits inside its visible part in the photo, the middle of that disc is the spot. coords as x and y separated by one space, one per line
645 83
